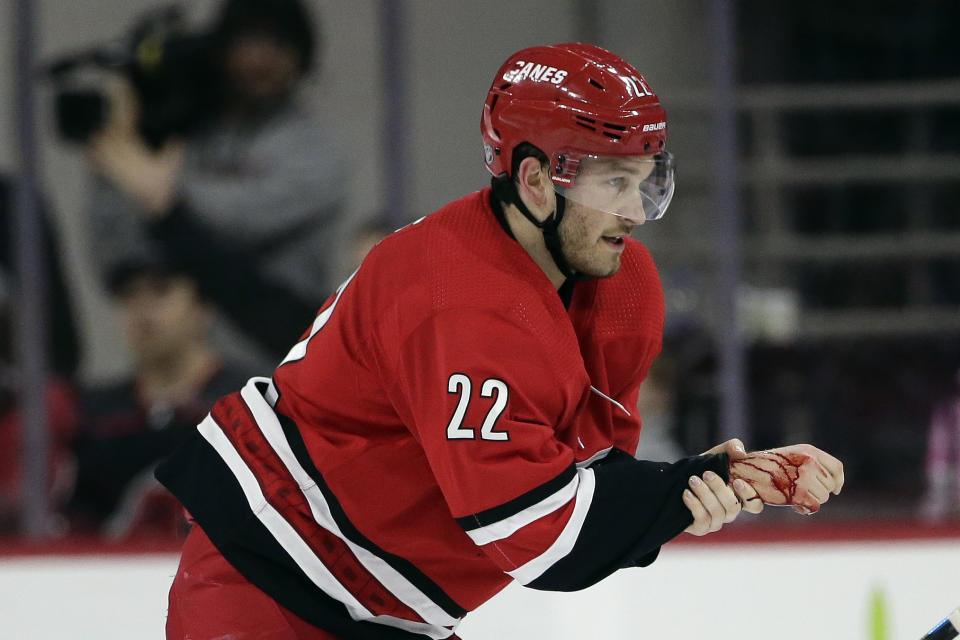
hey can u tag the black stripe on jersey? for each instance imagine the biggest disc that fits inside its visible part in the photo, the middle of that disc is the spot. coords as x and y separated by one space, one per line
203 482
637 506
518 504
403 566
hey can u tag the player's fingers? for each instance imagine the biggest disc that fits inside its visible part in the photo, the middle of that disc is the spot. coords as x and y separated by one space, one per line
834 469
748 496
734 449
821 472
701 519
838 478
710 502
816 488
831 483
725 495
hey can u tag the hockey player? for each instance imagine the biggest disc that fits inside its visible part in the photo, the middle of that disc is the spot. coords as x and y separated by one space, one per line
462 412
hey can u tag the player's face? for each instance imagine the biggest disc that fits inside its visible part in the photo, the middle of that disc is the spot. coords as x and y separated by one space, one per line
593 241
593 234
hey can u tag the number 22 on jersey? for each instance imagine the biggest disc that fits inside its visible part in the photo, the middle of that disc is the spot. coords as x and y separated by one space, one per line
461 384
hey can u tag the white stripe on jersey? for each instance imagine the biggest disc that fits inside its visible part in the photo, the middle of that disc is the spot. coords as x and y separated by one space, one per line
441 624
508 526
295 546
603 453
276 524
567 538
300 349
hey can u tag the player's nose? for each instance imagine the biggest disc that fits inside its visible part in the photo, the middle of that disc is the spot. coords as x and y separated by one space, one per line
633 213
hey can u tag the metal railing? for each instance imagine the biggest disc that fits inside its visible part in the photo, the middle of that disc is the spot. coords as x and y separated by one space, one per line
769 172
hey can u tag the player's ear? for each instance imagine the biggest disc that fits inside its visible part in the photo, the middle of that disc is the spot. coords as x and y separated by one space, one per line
534 187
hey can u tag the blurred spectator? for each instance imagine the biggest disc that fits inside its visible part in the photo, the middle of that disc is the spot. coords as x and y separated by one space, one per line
249 203
942 499
63 355
126 427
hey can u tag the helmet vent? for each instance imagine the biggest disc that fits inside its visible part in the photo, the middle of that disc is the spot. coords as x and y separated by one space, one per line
597 84
586 123
493 102
617 130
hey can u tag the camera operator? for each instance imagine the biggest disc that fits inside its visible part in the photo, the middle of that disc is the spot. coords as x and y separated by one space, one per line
251 199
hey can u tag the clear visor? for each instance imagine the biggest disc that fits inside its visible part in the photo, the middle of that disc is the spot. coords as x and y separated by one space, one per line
635 188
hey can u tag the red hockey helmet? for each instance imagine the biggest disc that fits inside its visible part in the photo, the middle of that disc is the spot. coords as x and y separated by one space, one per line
582 105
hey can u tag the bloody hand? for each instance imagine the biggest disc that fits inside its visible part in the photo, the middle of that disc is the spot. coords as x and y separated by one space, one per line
779 478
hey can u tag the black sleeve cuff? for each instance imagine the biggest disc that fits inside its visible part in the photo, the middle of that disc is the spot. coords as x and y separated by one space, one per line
637 506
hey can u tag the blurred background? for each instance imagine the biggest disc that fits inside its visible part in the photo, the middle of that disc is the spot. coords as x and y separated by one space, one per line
181 185
810 258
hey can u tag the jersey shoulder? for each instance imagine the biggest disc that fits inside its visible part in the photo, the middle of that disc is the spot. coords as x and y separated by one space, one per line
459 257
458 265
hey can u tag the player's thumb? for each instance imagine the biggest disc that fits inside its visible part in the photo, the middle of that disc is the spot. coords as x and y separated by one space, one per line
735 449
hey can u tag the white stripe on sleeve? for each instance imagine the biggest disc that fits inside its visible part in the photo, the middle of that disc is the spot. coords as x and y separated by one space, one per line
508 526
285 534
441 622
567 538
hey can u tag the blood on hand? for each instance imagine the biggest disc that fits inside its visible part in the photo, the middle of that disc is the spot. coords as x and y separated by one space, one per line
775 476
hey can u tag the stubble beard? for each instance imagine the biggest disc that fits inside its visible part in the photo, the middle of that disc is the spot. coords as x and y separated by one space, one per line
592 259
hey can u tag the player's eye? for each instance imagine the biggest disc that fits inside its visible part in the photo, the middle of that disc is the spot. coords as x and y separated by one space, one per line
618 183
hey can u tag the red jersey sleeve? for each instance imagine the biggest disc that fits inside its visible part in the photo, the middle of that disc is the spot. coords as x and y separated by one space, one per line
484 401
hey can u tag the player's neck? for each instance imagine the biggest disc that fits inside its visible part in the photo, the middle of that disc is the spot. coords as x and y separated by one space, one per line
531 239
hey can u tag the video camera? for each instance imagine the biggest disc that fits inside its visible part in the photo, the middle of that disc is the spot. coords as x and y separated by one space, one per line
170 68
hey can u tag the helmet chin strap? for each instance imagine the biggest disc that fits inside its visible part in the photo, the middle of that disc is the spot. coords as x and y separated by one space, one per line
550 227
551 237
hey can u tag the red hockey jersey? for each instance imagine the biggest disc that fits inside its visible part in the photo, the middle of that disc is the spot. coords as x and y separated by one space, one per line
445 426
